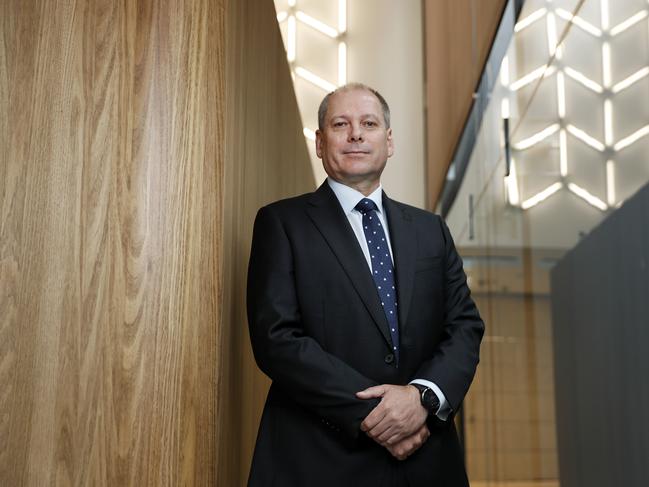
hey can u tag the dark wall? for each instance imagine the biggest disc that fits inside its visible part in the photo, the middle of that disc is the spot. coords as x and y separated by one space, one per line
600 310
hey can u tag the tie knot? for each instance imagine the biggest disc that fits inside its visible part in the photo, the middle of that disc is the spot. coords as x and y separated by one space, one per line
365 205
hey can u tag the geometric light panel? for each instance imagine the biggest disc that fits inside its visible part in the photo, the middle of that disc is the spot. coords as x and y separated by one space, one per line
292 16
568 133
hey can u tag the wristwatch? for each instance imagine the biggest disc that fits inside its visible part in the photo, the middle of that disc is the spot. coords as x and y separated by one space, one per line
429 399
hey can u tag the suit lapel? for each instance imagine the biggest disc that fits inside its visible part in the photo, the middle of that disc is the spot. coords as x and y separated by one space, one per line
404 248
327 215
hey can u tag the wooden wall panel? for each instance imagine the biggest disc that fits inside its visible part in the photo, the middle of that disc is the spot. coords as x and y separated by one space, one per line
510 436
458 37
111 123
266 159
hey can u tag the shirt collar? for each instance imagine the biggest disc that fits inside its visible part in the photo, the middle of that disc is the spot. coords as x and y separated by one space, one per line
349 197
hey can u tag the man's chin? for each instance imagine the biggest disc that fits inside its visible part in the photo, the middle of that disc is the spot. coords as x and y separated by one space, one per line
359 180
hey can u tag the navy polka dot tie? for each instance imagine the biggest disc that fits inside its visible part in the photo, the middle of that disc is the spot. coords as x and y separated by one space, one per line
382 270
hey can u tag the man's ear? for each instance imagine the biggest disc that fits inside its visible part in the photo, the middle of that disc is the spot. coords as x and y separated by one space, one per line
318 143
390 142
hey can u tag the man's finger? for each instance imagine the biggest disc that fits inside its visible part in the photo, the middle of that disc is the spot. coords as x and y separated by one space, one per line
371 392
394 439
384 432
404 448
381 431
376 415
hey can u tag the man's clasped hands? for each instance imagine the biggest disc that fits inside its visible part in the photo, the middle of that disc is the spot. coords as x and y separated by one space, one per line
398 422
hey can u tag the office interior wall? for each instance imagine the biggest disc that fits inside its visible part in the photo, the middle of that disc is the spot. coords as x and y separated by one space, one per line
386 51
458 37
266 159
509 414
138 141
111 123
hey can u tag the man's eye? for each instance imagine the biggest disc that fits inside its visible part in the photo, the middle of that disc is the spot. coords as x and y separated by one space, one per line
339 124
370 123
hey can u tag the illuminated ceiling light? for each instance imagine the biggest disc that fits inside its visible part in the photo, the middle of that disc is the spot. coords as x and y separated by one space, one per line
610 182
605 33
633 138
561 95
579 22
634 78
292 16
342 16
530 77
504 108
630 22
563 153
536 138
608 122
530 19
316 80
316 24
586 139
309 134
342 63
542 196
511 185
586 196
551 23
291 34
606 64
580 78
504 71
604 14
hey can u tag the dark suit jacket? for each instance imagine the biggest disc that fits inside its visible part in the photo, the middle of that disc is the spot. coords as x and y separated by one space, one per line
318 331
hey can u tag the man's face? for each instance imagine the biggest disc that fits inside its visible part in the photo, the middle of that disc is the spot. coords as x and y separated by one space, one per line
354 144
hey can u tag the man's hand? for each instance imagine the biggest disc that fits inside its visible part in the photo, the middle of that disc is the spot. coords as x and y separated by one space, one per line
397 417
409 445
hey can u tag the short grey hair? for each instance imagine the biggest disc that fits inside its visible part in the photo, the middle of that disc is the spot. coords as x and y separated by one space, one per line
324 104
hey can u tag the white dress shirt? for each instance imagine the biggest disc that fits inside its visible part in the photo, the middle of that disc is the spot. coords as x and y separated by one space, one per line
348 199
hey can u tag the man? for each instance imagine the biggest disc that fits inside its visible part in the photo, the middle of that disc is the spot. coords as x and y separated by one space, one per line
360 314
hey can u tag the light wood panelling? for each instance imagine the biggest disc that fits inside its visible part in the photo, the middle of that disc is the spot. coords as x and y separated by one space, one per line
458 37
266 159
510 424
111 118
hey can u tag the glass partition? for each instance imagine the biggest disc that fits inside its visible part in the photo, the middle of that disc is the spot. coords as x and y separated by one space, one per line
563 147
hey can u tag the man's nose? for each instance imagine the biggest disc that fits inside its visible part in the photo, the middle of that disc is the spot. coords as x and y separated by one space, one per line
355 133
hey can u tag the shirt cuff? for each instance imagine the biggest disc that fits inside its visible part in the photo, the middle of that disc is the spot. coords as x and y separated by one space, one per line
444 409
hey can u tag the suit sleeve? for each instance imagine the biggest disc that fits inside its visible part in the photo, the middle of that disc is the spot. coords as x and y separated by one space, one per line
317 380
454 361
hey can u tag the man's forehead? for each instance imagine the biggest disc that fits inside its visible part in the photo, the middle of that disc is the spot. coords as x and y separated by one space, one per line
339 103
356 93
345 113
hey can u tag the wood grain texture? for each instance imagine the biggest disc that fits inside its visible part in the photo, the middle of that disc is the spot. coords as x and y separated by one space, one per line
112 126
458 37
266 159
510 430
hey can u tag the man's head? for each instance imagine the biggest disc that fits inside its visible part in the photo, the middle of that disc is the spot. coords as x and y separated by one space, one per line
354 138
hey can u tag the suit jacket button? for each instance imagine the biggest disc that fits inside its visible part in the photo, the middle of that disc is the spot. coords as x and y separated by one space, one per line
389 358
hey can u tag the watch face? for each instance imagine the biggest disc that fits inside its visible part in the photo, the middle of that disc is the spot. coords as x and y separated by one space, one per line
429 399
